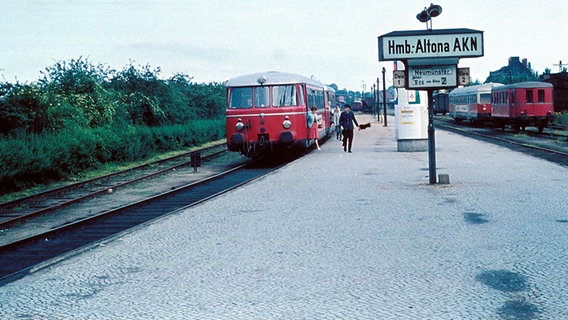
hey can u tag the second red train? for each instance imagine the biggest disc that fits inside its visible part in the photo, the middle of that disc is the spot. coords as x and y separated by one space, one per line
517 105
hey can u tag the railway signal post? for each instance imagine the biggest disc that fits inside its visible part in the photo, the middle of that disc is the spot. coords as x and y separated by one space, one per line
431 61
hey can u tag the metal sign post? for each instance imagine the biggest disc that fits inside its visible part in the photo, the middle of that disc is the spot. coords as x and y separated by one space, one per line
431 58
384 97
431 139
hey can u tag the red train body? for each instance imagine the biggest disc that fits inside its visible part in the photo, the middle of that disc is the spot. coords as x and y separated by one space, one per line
266 112
522 104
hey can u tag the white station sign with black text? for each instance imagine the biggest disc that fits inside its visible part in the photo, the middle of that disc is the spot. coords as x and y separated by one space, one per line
432 76
443 43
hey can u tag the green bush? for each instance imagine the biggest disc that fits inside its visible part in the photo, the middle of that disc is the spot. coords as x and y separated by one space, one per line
22 110
43 158
79 116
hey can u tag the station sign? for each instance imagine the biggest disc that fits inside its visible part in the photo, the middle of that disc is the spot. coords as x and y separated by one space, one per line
442 43
437 76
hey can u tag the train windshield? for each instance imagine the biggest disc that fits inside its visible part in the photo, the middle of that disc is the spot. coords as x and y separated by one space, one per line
247 97
284 96
485 98
262 97
241 98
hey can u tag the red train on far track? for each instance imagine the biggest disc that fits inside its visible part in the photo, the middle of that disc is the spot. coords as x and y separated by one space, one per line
522 104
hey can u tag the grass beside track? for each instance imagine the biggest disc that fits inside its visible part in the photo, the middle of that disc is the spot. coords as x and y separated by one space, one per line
105 169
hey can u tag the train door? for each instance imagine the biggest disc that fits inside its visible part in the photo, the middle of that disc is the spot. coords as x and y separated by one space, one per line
316 97
329 105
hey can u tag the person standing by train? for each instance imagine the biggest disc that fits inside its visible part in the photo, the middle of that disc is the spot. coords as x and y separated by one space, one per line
346 121
336 116
312 118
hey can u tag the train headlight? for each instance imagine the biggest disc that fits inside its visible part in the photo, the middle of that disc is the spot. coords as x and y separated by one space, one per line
240 125
287 124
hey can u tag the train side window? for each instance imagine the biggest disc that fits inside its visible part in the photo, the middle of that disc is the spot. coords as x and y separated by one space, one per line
514 97
320 100
284 96
316 98
332 99
241 98
540 96
529 95
262 95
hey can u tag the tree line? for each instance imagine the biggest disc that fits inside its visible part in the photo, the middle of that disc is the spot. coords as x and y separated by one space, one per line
79 116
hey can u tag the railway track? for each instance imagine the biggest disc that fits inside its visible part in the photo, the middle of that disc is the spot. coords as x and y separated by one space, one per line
22 209
550 145
47 246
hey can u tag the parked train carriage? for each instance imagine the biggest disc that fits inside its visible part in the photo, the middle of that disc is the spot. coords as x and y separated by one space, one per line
440 100
266 112
357 105
471 103
523 104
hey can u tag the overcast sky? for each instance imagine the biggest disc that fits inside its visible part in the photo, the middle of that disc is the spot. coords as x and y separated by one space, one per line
213 40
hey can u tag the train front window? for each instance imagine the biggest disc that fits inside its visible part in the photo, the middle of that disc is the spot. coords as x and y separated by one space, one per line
262 97
284 96
485 98
241 98
540 96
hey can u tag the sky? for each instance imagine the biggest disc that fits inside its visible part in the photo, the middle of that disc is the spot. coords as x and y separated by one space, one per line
214 40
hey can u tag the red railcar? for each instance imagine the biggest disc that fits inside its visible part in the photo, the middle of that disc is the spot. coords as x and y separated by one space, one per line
522 104
266 112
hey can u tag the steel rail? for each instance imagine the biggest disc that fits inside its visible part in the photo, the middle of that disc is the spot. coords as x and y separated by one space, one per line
19 218
460 130
43 249
79 184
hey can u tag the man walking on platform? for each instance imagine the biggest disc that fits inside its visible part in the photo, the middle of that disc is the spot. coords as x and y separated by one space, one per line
346 121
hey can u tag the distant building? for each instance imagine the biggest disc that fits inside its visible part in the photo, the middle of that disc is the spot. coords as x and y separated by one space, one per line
560 93
516 71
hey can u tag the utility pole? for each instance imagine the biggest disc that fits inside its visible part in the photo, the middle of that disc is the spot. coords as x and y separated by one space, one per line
560 65
378 101
384 97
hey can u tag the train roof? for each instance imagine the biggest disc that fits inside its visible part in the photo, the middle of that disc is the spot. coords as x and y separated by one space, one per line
477 88
271 78
528 84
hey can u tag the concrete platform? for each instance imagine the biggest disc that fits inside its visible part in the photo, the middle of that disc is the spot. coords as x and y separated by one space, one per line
337 235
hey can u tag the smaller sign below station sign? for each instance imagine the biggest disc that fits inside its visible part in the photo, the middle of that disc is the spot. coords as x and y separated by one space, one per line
399 79
423 77
463 77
